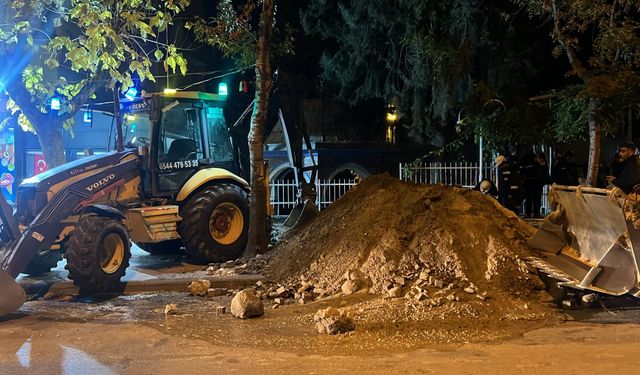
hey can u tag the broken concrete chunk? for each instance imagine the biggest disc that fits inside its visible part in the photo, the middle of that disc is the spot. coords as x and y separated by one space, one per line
221 310
259 284
395 292
199 287
350 287
483 296
451 297
332 321
420 297
170 309
282 290
438 283
246 305
399 280
305 286
211 270
469 290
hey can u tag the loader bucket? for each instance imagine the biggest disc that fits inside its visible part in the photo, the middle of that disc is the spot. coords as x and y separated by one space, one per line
301 213
587 243
12 296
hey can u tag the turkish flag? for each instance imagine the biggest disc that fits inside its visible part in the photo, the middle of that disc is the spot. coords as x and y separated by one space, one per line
39 164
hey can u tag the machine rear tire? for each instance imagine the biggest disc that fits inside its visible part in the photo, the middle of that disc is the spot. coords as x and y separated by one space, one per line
43 262
162 248
215 223
98 253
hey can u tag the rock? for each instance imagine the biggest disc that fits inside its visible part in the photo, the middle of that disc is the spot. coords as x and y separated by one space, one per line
279 301
399 280
420 297
424 275
259 284
395 292
221 310
438 283
228 264
246 305
170 309
305 286
451 297
350 287
469 290
211 270
199 287
332 321
281 290
483 296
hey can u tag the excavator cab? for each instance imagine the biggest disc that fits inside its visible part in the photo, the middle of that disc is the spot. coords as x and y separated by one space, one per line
181 133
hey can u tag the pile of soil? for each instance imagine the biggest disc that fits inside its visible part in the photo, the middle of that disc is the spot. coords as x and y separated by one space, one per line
446 250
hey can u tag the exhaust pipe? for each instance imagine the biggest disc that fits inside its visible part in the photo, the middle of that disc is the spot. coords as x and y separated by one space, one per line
12 296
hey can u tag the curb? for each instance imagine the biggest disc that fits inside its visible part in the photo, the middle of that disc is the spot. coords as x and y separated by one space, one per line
66 288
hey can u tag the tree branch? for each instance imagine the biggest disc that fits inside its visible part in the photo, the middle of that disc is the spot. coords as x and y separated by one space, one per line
581 71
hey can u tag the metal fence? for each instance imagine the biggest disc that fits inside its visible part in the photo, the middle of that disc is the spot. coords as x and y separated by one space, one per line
283 194
463 174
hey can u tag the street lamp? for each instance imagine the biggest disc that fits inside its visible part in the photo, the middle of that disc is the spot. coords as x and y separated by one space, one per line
392 116
484 106
480 137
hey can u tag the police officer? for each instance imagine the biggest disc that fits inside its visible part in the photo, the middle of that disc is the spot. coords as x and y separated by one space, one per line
508 184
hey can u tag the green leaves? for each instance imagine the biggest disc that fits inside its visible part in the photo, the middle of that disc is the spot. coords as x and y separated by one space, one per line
95 39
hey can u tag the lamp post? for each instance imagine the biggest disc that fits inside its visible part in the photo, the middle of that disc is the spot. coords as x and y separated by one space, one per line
504 108
480 137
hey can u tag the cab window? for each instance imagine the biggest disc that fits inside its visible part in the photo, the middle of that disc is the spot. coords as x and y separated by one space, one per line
219 141
180 138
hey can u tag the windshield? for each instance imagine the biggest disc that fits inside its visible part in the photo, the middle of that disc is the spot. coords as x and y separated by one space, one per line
136 129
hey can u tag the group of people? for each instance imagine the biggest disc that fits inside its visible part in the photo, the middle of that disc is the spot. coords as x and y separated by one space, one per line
521 183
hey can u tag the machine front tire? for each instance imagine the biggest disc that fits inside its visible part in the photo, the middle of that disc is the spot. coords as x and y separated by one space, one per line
215 223
43 262
97 253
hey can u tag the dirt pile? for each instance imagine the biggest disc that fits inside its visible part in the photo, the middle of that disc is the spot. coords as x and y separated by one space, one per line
434 245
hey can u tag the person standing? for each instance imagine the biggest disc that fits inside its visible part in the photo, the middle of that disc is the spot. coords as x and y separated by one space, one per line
534 173
564 170
628 177
508 184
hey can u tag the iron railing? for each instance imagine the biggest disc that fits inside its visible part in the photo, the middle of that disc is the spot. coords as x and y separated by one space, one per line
283 194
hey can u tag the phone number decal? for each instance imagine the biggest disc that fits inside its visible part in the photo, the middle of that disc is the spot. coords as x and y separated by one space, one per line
178 164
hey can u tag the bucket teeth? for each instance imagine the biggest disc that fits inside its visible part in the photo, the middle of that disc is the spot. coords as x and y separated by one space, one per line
550 270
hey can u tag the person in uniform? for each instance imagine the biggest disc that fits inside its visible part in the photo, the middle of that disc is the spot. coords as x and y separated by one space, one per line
508 184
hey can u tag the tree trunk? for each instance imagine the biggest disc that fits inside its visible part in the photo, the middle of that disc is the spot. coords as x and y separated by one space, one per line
594 143
48 127
118 117
257 234
51 142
